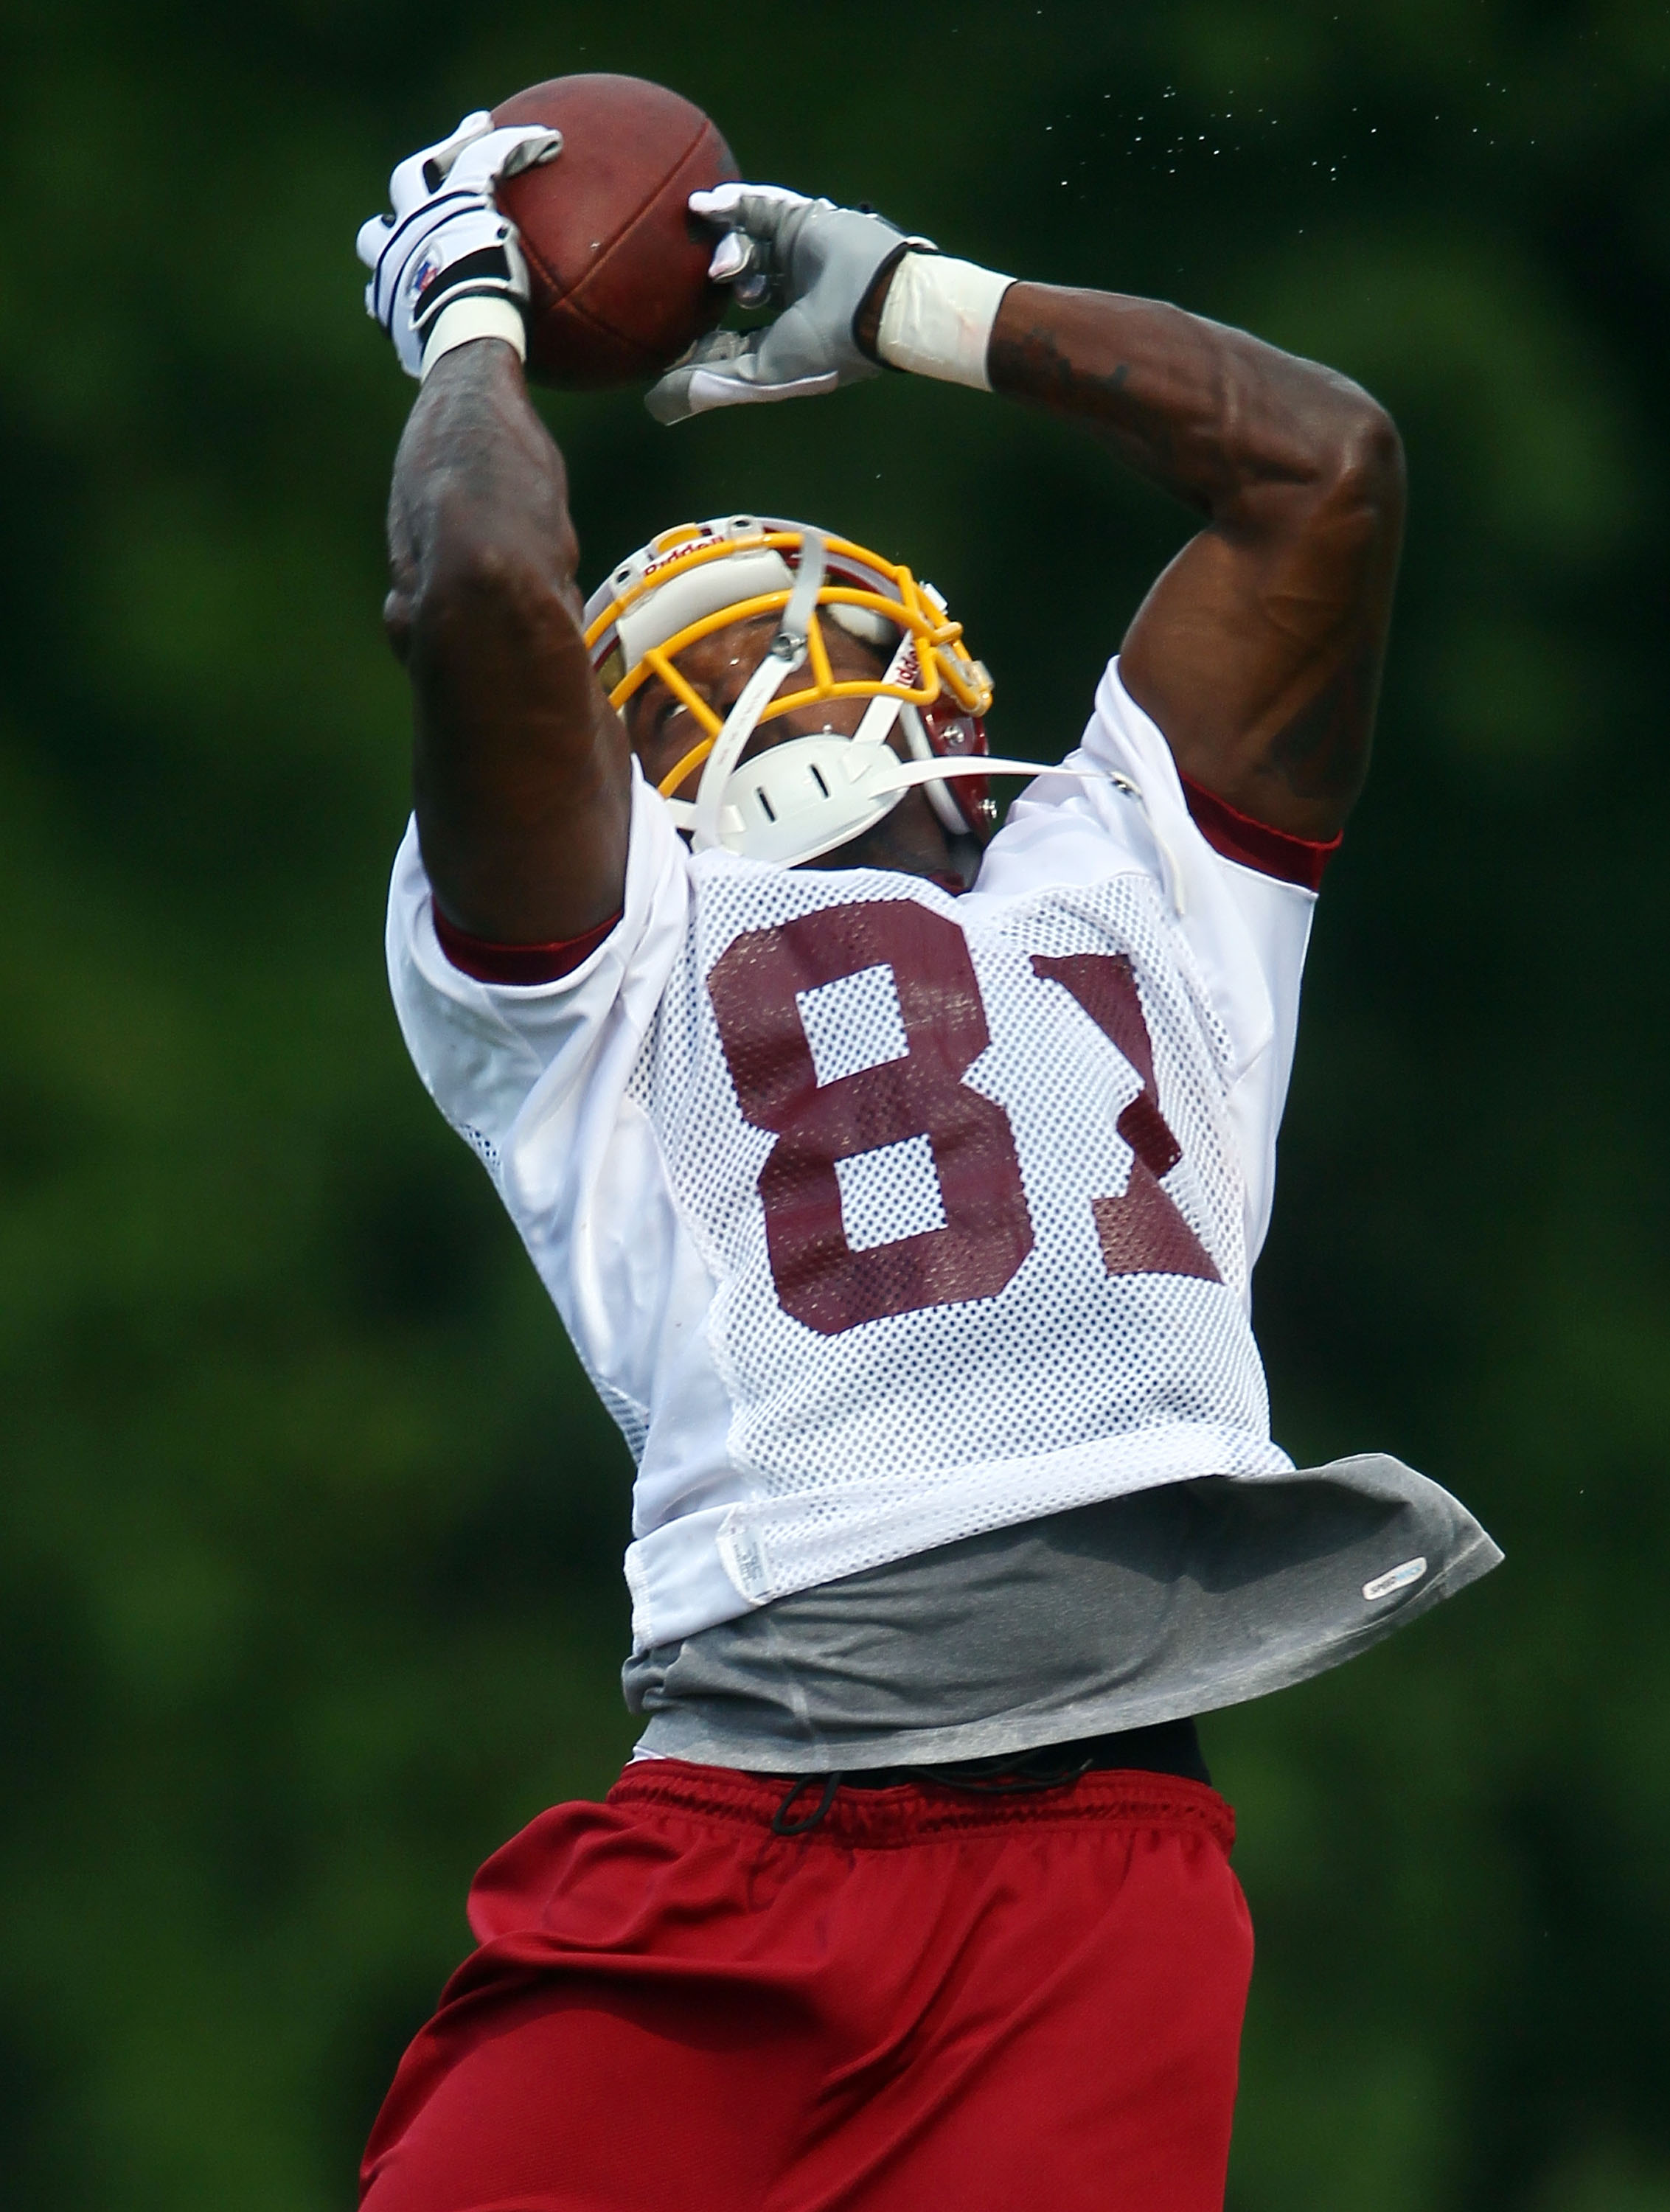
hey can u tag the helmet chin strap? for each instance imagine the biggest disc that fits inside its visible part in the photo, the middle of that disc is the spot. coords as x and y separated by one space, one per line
786 653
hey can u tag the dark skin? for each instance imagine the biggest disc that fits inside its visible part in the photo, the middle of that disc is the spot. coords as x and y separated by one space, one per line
1258 651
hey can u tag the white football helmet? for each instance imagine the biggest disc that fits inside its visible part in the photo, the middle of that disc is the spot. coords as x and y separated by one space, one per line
804 797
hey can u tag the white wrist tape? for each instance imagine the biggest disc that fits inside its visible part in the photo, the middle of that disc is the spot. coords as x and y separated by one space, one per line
937 316
482 317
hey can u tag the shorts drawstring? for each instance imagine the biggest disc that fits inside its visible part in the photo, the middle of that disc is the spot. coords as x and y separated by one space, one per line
781 1826
1000 1776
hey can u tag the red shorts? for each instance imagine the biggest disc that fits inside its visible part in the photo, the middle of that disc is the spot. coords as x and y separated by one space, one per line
929 1999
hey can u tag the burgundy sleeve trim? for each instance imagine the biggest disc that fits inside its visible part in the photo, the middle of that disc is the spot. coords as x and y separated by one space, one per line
516 963
1255 844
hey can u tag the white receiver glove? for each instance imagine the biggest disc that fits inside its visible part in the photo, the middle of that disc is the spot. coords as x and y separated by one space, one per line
818 261
447 239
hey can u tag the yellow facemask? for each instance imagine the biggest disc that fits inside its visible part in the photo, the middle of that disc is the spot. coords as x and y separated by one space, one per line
697 578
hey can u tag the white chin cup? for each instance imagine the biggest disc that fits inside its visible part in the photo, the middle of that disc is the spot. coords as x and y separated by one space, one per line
801 798
806 797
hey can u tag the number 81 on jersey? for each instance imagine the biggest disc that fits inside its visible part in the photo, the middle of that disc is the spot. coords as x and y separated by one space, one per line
821 1279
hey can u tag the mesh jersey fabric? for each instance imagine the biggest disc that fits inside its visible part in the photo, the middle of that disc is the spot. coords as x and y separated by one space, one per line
878 1217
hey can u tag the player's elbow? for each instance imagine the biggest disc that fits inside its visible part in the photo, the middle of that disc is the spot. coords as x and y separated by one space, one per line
480 581
1362 467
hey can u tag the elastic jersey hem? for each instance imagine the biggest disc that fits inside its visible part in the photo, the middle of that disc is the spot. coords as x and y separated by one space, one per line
488 962
1238 837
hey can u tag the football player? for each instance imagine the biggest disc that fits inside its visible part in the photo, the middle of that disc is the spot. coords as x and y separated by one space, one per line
898 1179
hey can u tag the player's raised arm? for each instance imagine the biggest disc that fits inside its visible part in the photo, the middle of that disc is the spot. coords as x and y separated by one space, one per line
1259 650
520 768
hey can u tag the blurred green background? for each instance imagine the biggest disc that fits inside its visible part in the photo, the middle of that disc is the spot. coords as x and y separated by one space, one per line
308 1567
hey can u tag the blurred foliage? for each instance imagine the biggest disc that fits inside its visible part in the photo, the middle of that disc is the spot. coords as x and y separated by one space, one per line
308 1560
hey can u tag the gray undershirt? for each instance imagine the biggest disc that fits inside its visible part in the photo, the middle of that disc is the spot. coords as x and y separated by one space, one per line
1151 1607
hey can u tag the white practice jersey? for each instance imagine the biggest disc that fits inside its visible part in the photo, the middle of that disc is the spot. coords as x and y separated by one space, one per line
879 1215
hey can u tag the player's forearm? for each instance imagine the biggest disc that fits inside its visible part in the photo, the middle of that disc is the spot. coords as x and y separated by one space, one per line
1241 431
521 771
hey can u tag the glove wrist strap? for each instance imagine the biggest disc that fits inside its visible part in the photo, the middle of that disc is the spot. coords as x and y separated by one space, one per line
481 315
937 317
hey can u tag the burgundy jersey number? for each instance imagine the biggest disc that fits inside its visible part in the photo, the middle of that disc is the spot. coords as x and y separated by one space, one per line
987 1230
820 1278
1141 1233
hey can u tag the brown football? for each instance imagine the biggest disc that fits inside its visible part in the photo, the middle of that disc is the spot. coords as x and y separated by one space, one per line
617 264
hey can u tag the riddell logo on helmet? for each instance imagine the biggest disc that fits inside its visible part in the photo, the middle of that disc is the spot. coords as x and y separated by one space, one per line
674 554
